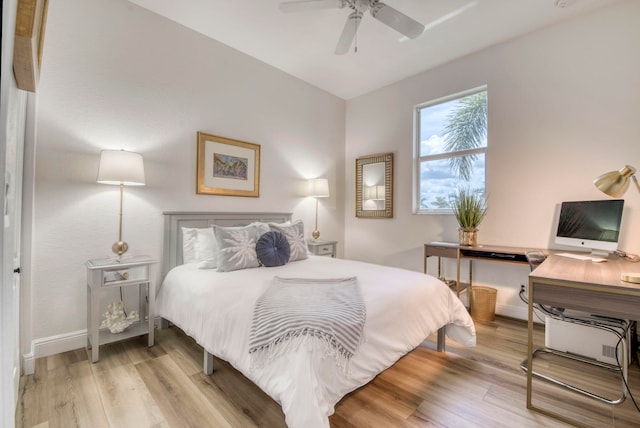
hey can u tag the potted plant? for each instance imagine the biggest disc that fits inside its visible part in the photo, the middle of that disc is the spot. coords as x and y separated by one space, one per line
469 206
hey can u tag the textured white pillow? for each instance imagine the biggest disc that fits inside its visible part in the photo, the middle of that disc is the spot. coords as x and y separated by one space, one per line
295 235
199 245
237 247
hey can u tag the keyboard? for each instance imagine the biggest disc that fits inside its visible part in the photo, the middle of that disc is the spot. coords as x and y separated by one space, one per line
582 257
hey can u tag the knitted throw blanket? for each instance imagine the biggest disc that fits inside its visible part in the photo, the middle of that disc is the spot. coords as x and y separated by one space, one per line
295 310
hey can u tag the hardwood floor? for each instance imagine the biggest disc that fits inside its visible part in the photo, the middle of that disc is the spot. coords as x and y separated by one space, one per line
163 386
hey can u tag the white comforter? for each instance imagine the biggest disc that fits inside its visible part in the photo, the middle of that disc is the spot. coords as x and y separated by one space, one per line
403 308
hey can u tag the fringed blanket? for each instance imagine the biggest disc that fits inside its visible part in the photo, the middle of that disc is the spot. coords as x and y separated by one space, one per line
294 310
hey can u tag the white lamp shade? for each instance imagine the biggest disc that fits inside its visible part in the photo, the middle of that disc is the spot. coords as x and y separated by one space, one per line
318 187
121 167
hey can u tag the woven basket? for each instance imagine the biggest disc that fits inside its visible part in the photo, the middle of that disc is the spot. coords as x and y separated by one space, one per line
483 303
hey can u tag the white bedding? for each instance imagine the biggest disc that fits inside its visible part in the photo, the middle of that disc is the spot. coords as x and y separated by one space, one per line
403 308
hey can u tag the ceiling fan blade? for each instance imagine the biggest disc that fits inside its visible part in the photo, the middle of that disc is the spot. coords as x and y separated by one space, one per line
348 33
397 20
304 5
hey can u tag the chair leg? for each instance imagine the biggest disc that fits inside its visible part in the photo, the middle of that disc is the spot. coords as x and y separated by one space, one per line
623 369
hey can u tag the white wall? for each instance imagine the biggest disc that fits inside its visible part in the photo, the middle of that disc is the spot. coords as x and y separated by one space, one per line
563 108
116 76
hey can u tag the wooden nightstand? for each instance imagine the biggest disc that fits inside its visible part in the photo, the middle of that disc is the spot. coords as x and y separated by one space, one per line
105 274
323 248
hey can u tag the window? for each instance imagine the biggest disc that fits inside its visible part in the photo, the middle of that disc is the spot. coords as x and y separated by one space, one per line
450 149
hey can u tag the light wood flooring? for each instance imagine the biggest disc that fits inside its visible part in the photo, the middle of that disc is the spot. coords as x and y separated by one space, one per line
163 386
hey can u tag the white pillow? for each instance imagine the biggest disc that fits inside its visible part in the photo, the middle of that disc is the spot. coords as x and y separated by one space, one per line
206 249
199 245
189 245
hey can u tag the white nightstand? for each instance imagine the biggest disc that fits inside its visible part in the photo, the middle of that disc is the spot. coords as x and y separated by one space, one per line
323 248
104 275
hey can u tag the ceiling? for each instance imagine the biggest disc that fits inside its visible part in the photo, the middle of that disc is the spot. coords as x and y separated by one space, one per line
302 44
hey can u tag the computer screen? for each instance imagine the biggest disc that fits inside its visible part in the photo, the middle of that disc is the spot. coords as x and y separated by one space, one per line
593 225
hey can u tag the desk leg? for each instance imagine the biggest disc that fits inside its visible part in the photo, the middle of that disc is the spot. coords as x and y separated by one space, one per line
424 259
529 343
458 275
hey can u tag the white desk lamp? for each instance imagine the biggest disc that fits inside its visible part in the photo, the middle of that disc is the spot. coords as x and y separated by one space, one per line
615 184
317 188
119 167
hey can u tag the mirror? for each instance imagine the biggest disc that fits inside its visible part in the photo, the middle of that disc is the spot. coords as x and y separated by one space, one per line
374 186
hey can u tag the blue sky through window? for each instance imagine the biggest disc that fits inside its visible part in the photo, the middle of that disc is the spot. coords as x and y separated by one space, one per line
437 180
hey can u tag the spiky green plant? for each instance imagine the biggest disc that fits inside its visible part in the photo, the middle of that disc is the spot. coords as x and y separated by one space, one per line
469 206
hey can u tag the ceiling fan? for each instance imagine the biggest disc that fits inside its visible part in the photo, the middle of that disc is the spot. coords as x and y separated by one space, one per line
380 11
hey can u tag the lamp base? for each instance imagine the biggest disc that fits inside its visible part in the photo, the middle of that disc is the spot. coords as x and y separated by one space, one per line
315 234
119 247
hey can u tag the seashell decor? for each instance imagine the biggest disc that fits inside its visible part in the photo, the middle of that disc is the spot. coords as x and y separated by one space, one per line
116 320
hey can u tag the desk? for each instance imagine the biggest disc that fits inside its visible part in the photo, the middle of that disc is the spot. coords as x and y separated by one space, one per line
581 285
491 253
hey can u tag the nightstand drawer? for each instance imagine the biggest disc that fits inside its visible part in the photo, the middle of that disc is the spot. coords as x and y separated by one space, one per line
123 276
324 249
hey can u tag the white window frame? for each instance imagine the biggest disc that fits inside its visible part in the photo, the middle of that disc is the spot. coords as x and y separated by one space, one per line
419 159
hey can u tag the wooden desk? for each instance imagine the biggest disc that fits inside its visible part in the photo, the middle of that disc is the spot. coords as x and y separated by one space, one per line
582 285
491 253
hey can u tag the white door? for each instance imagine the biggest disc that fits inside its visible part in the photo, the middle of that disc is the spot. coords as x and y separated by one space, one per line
12 125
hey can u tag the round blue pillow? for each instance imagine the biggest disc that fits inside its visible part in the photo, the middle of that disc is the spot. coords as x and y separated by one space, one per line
273 249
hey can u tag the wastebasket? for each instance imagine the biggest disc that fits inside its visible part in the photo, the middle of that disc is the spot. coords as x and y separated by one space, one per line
483 303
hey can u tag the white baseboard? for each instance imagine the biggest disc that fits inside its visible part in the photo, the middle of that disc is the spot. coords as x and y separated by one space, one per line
52 345
512 311
57 344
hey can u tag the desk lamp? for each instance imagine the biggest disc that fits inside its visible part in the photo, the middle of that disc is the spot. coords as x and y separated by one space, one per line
615 184
317 188
121 168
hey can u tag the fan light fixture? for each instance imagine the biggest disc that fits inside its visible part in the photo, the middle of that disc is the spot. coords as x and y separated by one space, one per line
317 188
122 168
381 12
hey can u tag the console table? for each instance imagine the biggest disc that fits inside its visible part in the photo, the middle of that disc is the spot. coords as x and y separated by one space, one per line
582 285
492 253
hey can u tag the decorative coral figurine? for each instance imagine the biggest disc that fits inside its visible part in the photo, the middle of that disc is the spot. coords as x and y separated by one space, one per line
116 320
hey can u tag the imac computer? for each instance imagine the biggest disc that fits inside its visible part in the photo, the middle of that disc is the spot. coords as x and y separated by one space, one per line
591 225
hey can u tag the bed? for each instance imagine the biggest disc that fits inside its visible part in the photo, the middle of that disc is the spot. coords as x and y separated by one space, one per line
218 310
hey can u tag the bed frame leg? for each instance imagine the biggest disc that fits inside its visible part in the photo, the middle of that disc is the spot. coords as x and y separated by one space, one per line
208 363
441 339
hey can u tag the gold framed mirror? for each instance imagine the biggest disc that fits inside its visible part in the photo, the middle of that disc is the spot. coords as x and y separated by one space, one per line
374 186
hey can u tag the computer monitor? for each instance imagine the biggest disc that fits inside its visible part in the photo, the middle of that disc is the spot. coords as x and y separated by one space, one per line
592 225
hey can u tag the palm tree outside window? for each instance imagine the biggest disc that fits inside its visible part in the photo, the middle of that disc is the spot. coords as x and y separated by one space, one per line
450 148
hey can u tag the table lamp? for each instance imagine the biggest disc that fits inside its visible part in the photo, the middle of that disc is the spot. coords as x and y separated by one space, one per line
119 167
317 188
615 184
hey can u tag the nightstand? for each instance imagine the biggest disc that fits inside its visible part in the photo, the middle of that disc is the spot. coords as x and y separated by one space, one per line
323 248
103 275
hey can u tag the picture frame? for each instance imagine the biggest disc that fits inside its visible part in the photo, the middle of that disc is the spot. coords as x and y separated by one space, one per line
227 167
31 18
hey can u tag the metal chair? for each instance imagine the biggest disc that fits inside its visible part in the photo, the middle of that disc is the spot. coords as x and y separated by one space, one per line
611 325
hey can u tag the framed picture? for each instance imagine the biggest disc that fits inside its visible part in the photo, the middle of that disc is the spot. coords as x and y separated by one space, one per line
227 167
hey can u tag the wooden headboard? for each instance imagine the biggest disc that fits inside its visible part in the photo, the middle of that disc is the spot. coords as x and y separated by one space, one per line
174 221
